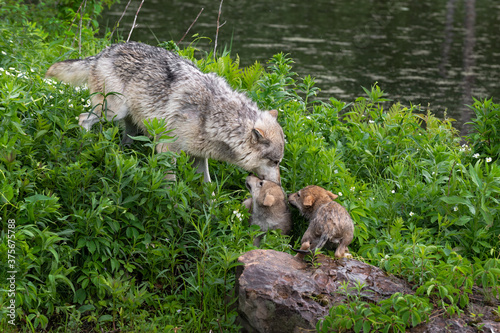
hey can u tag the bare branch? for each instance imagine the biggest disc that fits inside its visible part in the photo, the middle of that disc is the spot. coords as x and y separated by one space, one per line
135 18
190 26
118 23
218 26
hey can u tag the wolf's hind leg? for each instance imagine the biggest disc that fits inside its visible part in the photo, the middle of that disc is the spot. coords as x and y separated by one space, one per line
342 252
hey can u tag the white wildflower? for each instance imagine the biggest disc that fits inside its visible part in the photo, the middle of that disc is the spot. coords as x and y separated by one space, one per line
371 121
476 155
335 171
340 194
353 189
4 53
71 105
238 215
455 208
488 159
393 191
412 213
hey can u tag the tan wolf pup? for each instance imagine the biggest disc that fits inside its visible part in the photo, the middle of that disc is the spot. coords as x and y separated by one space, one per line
268 206
208 118
329 222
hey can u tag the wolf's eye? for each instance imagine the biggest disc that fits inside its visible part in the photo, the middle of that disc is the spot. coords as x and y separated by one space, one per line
298 194
261 183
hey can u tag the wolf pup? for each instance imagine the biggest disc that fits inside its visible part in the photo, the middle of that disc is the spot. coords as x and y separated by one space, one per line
209 119
268 206
329 222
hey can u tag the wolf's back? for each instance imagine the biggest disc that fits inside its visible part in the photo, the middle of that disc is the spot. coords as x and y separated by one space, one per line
73 71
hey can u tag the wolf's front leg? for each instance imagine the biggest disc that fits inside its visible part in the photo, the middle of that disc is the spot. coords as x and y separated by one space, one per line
202 167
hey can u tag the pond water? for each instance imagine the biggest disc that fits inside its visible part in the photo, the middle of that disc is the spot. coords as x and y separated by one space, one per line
436 53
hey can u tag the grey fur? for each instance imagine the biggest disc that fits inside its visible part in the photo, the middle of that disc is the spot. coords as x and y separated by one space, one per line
209 119
330 224
268 206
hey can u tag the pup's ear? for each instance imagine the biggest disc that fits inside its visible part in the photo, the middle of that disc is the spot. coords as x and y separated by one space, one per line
274 113
269 200
258 134
331 195
308 201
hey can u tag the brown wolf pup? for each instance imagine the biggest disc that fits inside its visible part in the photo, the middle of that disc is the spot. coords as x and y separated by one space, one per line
208 117
329 222
268 206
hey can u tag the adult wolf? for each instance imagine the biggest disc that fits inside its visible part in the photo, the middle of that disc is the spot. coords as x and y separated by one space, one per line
209 119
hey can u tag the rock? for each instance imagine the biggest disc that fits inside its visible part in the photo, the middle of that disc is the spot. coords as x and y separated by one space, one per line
280 293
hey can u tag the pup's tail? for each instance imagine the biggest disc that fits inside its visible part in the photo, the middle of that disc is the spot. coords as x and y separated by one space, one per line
73 71
302 251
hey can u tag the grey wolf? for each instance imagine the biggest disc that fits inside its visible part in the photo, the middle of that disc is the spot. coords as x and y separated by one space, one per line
329 223
208 118
268 206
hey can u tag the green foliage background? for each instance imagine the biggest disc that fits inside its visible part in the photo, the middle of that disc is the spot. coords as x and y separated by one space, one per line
103 242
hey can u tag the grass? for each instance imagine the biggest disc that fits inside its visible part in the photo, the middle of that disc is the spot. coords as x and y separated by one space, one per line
100 242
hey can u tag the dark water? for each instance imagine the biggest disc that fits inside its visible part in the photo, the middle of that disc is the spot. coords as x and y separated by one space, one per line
436 53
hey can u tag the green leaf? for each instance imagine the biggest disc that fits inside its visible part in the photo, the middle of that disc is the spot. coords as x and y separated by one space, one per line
454 200
474 177
415 318
91 246
367 327
86 307
140 138
80 297
105 318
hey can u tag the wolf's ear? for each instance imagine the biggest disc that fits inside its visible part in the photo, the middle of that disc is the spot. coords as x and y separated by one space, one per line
308 201
258 134
274 113
331 195
269 200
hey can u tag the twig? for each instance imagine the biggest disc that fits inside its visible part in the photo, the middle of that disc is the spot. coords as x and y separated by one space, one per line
135 18
118 23
190 26
71 25
80 35
218 26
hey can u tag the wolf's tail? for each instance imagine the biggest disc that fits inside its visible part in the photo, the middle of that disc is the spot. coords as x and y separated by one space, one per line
73 71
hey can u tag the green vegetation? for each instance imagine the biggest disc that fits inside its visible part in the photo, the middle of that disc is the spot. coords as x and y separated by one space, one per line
101 242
